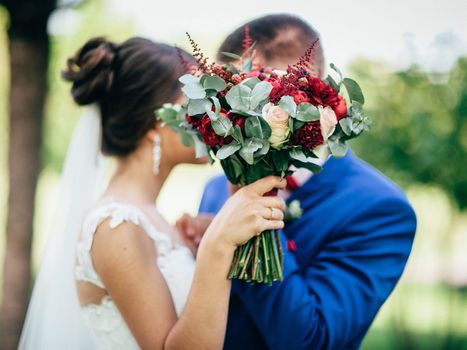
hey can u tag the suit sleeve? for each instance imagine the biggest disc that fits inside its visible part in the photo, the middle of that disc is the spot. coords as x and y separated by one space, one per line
336 296
214 195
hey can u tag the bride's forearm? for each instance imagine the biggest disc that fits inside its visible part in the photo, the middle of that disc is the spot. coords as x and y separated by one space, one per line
203 321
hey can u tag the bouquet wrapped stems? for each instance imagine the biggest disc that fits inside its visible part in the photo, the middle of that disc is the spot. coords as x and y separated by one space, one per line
259 260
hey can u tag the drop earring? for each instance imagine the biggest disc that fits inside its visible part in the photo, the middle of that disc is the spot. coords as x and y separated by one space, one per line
156 154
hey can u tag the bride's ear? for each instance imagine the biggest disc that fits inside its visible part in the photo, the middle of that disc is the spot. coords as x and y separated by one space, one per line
151 134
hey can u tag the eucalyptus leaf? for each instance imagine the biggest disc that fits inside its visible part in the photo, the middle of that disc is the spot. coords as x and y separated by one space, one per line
247 65
232 68
264 149
237 166
238 97
214 83
188 79
298 154
194 91
306 112
281 160
330 80
251 82
167 113
260 93
221 126
346 125
250 49
217 105
200 147
314 168
187 138
236 133
336 69
295 124
338 148
199 106
250 146
354 90
257 127
232 55
288 104
227 150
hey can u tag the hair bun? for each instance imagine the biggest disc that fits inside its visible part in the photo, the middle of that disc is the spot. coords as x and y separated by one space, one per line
91 71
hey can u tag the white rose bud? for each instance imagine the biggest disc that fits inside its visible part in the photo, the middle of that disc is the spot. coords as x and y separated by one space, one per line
278 120
328 121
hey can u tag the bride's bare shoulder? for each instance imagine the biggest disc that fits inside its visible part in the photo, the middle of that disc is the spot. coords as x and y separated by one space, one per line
121 247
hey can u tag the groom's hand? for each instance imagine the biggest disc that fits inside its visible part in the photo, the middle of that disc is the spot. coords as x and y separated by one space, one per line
192 229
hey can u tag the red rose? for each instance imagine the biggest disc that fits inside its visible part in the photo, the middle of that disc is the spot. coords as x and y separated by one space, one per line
301 97
340 109
308 136
323 94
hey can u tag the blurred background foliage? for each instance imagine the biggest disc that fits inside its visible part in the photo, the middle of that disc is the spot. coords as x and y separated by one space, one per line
418 139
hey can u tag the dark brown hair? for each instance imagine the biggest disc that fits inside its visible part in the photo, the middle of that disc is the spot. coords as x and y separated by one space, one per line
278 36
129 81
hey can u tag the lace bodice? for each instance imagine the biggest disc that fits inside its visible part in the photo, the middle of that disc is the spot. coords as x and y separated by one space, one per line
174 260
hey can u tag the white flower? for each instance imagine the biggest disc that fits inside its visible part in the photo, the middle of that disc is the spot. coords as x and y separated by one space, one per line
293 211
278 120
328 121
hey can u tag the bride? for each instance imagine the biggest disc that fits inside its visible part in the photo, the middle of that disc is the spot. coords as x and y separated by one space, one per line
115 274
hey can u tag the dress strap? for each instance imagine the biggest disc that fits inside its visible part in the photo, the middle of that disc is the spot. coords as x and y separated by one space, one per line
118 214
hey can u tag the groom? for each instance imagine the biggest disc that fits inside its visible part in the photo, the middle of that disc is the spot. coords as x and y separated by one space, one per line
343 257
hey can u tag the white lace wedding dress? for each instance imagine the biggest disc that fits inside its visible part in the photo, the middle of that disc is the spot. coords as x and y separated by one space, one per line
174 260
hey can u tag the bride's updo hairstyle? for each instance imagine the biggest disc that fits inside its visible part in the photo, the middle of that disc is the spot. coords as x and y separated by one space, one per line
128 81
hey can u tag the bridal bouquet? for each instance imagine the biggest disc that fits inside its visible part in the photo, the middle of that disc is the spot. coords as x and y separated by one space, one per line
259 121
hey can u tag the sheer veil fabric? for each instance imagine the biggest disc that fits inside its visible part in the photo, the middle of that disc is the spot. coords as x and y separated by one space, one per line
54 319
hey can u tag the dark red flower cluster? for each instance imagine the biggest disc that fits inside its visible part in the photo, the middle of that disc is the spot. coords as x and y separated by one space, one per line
281 86
323 94
208 134
308 136
304 87
193 121
204 126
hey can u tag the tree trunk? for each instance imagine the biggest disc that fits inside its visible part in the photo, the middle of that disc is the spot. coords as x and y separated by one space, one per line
28 64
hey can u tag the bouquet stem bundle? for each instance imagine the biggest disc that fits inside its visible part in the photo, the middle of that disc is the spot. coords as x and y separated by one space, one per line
259 260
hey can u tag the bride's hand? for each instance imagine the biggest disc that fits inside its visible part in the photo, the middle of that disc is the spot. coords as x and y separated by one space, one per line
247 213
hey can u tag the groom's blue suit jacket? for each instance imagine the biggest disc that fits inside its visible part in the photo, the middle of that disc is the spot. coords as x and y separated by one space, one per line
352 241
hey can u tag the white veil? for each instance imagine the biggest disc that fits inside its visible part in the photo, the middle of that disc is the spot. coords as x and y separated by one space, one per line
54 320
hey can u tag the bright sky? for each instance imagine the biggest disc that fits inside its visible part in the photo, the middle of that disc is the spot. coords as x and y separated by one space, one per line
430 32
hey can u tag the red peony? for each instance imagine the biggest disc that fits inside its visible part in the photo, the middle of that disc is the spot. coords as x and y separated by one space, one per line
237 119
208 134
301 97
323 94
193 121
308 136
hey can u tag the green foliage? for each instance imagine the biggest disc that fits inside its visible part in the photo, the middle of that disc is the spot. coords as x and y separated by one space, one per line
61 111
306 112
419 131
238 98
257 127
288 104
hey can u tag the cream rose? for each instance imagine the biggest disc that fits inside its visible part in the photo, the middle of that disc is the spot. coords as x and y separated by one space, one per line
278 120
327 120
